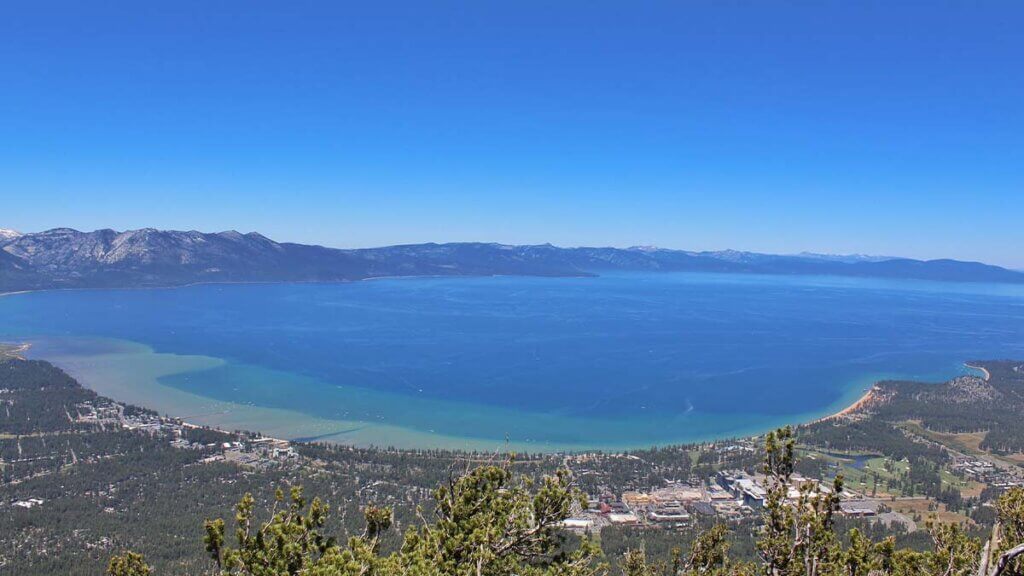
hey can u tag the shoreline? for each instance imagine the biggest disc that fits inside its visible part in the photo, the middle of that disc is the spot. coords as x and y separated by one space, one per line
281 423
869 396
16 350
16 292
982 369
579 274
281 282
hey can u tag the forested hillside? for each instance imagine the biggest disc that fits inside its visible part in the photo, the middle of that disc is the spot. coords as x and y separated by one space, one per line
988 408
85 479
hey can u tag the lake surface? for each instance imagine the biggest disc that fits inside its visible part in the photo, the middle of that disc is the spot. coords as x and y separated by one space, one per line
623 360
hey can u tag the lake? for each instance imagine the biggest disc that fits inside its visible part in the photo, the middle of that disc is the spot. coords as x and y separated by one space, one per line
617 361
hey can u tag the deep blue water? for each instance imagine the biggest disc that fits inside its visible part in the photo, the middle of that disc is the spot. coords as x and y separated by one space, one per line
631 359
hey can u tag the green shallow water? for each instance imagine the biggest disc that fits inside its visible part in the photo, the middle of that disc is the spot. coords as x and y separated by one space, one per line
136 374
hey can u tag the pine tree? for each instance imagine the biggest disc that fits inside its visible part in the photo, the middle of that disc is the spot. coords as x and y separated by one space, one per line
490 522
128 564
486 522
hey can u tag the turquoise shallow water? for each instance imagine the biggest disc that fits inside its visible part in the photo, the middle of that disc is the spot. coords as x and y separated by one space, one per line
548 363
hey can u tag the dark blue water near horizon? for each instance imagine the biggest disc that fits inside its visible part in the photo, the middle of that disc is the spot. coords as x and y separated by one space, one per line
624 348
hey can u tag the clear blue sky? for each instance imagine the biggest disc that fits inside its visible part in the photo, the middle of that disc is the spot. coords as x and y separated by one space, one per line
873 127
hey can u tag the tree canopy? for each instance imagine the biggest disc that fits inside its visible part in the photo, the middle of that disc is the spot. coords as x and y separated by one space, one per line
492 522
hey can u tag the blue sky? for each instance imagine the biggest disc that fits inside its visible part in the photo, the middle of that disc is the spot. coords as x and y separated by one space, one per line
873 127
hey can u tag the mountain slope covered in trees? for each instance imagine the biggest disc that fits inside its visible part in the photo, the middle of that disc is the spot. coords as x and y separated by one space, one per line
66 258
81 481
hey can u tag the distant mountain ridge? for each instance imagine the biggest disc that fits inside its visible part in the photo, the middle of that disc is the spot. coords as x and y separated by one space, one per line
67 258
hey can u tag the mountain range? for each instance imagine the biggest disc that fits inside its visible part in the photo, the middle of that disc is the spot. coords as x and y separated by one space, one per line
67 258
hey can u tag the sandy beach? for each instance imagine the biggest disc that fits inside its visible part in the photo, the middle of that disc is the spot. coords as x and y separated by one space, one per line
864 401
982 369
14 350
